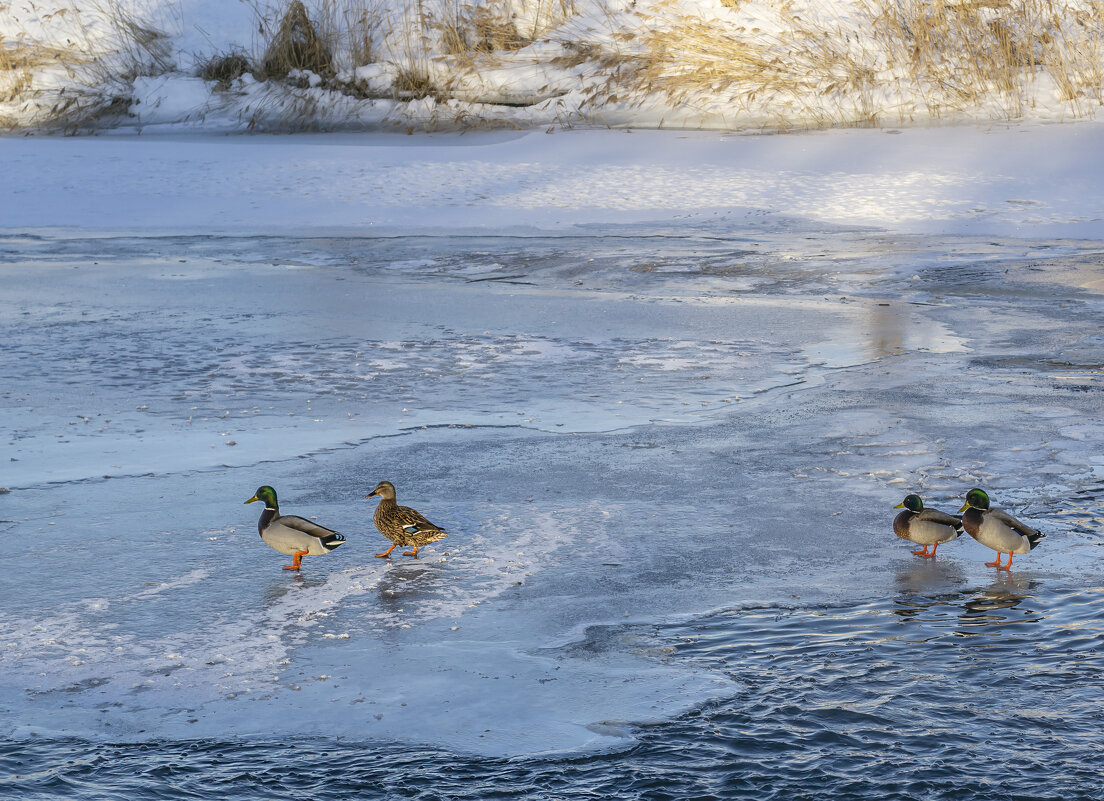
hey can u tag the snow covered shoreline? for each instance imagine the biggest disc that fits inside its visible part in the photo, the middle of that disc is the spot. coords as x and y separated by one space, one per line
746 65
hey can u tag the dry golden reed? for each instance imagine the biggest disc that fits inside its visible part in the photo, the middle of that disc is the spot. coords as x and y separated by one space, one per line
900 60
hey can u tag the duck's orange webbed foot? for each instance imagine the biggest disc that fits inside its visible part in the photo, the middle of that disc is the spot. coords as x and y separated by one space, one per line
997 563
924 552
297 561
413 553
1007 566
387 553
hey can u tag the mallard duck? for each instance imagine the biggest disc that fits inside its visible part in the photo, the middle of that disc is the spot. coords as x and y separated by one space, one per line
291 534
995 528
925 526
401 524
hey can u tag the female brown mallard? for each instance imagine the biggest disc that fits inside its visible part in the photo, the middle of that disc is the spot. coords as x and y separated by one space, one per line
296 536
995 528
924 526
401 524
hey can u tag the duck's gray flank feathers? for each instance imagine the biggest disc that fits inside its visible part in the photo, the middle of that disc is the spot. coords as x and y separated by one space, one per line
1032 534
942 518
327 535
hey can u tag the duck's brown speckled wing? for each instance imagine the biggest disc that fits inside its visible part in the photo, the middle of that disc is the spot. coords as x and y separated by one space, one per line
406 526
417 529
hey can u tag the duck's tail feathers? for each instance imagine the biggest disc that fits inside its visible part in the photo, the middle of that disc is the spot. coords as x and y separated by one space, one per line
334 541
1035 539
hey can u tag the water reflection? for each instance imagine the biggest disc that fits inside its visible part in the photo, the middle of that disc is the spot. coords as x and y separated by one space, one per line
990 606
1082 512
882 330
887 331
935 594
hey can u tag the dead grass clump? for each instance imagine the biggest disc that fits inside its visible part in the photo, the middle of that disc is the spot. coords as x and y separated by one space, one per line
494 30
495 27
297 46
225 69
415 83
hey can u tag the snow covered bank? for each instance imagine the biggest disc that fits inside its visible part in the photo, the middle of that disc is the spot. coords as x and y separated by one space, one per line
83 65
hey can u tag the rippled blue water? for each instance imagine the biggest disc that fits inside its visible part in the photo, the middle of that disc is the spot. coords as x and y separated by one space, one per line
988 693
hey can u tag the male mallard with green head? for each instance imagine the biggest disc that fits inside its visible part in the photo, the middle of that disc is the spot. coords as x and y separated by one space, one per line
401 524
290 534
925 526
995 528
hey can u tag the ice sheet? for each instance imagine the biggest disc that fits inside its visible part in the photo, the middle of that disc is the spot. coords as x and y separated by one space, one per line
612 429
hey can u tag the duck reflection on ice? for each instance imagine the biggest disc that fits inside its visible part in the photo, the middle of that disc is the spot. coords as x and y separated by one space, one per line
407 582
923 586
279 588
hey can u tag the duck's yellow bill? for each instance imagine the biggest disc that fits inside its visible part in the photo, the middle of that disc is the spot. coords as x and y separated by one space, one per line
254 498
965 506
900 506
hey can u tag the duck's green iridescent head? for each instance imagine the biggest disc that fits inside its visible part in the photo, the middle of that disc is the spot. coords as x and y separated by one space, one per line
975 498
266 494
912 503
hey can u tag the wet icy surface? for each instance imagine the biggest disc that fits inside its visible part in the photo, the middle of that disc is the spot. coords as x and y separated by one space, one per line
668 465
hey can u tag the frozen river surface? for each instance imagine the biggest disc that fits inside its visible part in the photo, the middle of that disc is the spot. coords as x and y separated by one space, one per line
668 466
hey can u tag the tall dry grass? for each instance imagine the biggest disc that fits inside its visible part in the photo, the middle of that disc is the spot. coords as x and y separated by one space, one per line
895 61
20 60
81 69
790 63
963 52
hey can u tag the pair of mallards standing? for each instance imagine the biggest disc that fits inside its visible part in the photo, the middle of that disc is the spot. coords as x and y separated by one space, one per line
299 537
994 528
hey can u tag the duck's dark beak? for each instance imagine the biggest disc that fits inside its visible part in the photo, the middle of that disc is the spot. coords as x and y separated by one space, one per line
965 506
900 505
370 494
254 498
